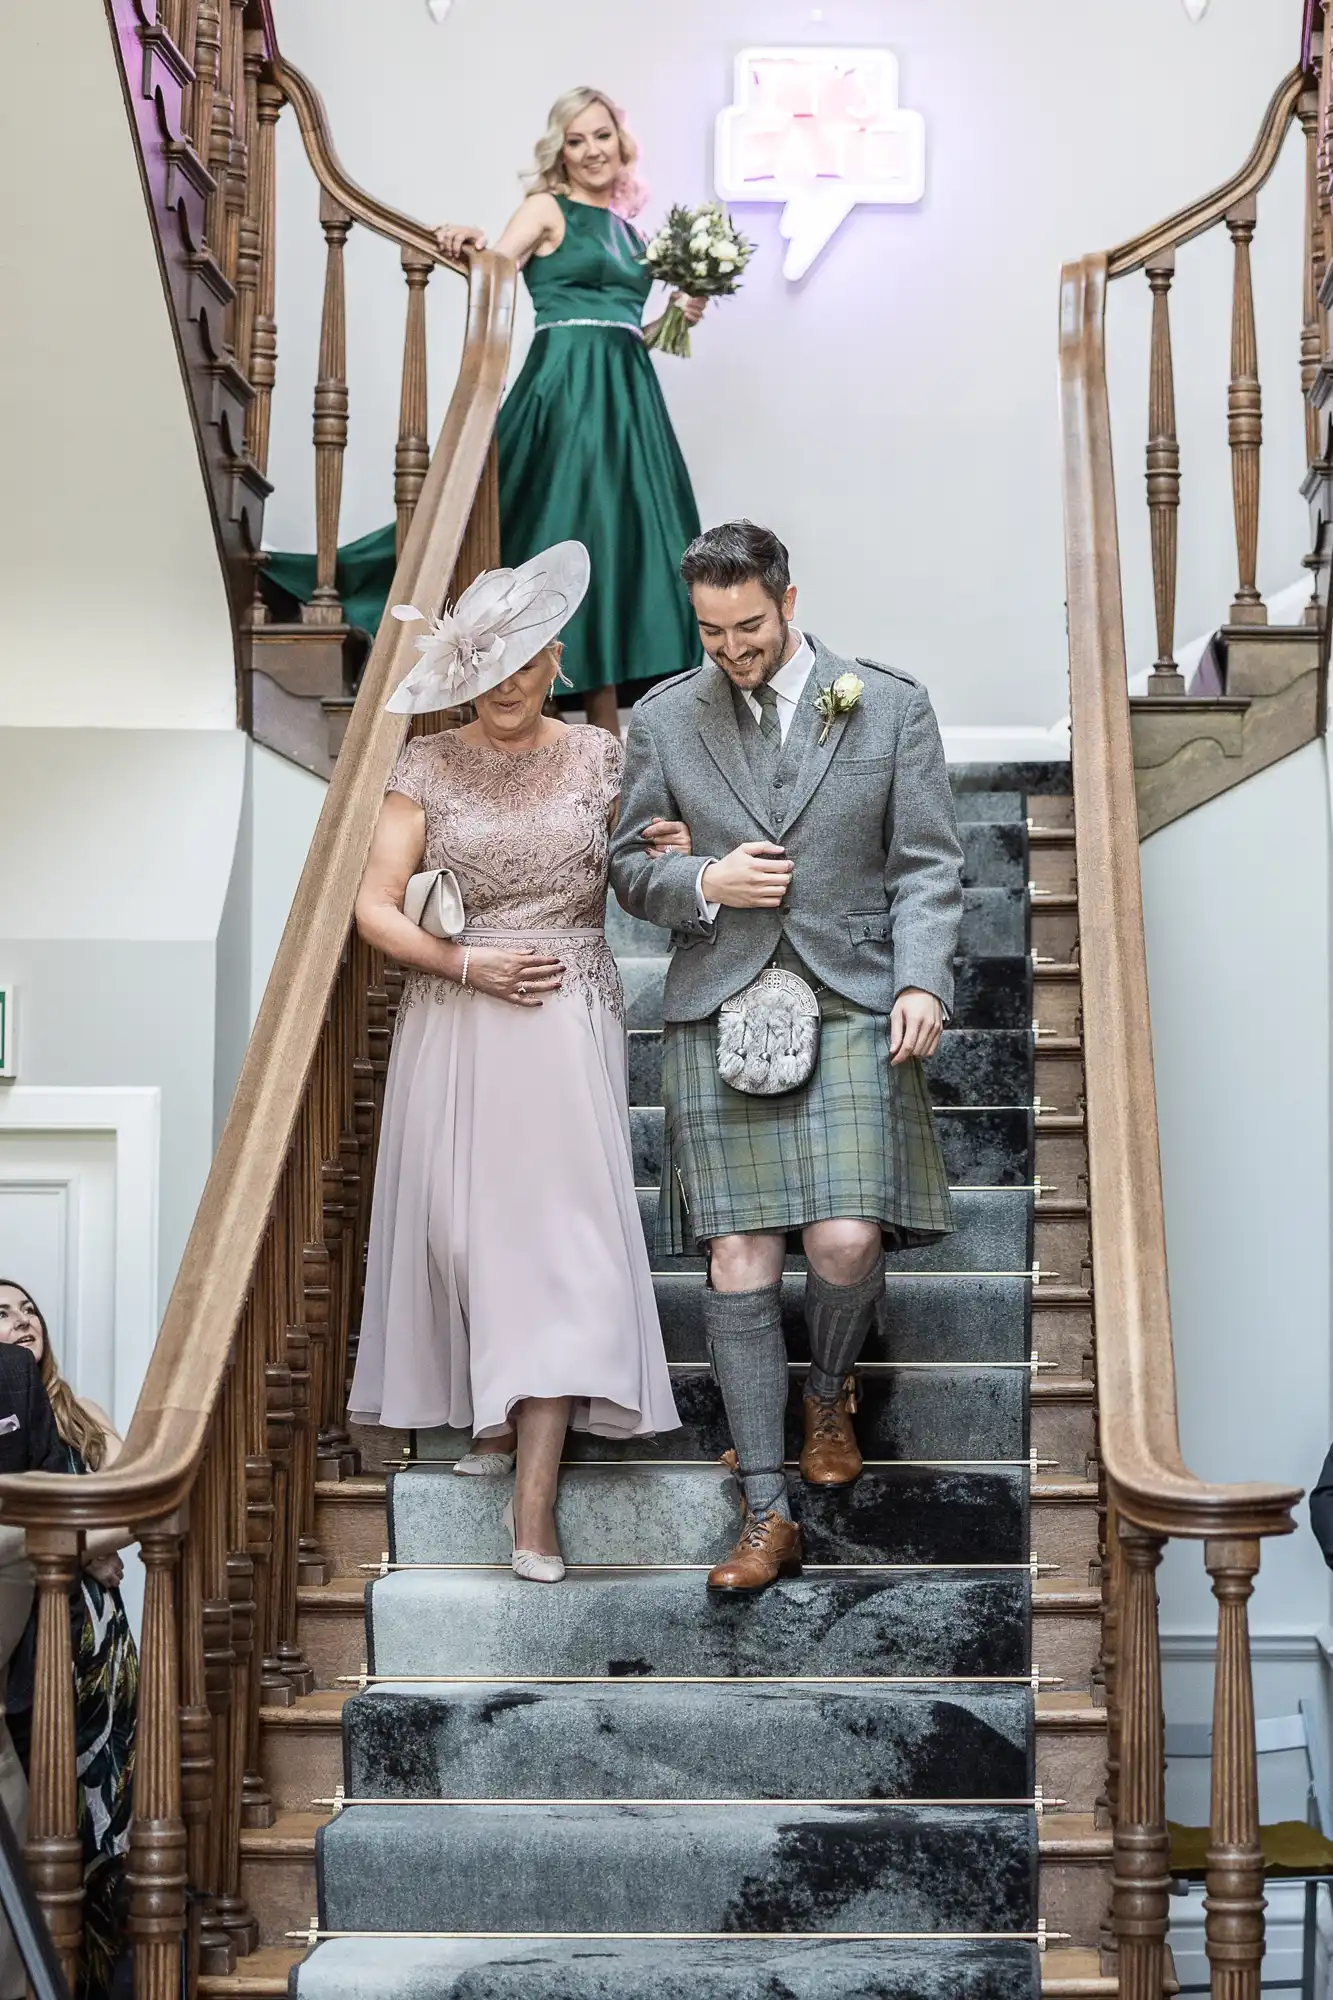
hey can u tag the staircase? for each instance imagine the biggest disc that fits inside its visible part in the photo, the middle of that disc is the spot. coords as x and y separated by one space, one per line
924 1753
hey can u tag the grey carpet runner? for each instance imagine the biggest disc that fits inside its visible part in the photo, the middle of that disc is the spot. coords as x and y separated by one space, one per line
616 1789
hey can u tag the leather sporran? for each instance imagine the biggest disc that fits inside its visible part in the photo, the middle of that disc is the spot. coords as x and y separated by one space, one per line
768 1036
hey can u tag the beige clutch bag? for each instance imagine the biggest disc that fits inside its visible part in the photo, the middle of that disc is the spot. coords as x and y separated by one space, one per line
434 900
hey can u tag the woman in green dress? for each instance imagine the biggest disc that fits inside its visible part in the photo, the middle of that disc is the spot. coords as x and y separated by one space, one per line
587 452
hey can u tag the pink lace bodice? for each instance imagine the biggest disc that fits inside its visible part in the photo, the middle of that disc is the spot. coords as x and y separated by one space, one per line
527 837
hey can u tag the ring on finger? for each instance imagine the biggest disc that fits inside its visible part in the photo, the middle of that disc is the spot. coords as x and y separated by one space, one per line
522 989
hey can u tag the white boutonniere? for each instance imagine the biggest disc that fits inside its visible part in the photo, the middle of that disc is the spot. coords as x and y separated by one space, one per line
838 698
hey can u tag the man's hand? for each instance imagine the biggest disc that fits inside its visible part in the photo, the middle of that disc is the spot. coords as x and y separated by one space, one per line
915 1025
756 876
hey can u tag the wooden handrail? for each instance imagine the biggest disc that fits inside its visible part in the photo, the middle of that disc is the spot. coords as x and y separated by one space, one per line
335 180
1210 209
1140 1438
1148 1492
154 1473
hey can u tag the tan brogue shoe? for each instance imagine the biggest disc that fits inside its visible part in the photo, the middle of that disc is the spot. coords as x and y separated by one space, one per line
769 1547
831 1456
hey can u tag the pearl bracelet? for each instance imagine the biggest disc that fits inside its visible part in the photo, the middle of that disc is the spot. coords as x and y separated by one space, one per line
467 956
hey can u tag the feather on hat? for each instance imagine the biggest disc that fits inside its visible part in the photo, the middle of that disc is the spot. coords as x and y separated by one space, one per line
499 623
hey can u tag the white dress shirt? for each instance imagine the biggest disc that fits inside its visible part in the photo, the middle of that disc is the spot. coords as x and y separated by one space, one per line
788 684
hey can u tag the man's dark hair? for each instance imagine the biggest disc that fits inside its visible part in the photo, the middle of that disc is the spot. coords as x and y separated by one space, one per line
735 553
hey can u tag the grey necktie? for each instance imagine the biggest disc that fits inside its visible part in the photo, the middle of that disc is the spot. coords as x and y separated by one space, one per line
769 726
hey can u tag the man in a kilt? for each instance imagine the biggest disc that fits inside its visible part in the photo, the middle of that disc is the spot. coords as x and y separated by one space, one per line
825 843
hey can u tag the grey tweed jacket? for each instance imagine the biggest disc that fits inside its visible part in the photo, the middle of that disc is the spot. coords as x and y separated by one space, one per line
868 821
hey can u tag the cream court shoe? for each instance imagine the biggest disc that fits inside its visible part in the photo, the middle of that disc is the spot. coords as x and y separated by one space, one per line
530 1564
476 1464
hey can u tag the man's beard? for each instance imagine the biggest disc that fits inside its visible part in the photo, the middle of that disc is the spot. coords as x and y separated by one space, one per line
772 657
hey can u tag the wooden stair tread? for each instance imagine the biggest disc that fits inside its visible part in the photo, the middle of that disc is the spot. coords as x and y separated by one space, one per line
264 1971
321 1710
1057 1489
1052 1594
1072 1837
1074 1974
1068 1709
1065 1974
291 1836
1063 1389
324 1708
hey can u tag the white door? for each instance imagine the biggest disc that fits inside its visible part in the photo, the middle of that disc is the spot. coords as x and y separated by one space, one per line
58 1240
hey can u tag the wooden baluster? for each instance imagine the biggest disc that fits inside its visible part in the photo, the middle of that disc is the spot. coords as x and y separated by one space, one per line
240 1583
218 139
1234 1924
278 1686
256 1804
247 238
188 18
1140 1883
1163 477
1245 428
237 154
1112 1589
195 1723
207 50
1323 157
54 1851
324 607
1312 316
217 1947
155 1873
263 363
412 458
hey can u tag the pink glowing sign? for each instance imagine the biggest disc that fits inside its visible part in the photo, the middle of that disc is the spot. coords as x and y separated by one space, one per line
818 130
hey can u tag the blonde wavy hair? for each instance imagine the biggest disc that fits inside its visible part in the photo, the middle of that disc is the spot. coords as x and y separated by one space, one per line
548 169
73 1422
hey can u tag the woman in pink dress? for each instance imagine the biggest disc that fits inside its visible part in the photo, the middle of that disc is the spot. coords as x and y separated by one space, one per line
508 1285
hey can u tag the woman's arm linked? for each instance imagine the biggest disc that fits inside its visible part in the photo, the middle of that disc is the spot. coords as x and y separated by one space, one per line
396 853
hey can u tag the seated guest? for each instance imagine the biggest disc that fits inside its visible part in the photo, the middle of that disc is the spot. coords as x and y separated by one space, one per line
28 1443
507 1282
106 1664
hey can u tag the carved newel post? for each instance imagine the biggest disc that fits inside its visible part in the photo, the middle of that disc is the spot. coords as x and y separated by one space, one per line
1140 1884
1234 1927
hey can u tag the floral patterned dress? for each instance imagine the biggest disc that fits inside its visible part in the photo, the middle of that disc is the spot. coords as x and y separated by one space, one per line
506 1254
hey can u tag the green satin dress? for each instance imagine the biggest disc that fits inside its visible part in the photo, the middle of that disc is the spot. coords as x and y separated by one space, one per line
587 452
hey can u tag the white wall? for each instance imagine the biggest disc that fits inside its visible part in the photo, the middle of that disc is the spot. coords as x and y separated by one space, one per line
1237 907
894 415
111 599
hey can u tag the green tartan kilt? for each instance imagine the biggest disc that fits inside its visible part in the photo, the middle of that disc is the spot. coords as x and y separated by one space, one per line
857 1141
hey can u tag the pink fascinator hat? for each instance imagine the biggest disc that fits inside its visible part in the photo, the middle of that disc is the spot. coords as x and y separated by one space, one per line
499 623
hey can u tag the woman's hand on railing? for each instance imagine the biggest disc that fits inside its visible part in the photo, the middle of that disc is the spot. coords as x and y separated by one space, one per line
457 238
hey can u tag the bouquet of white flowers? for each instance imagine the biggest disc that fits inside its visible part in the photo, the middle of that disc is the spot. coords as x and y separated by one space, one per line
698 251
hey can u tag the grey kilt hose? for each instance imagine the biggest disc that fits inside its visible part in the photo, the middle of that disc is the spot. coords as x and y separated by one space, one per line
857 1141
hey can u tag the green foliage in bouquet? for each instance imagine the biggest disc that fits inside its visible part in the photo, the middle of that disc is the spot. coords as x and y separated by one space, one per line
697 251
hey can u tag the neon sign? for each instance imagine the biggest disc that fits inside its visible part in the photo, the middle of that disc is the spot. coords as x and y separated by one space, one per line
819 130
